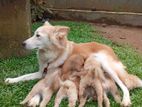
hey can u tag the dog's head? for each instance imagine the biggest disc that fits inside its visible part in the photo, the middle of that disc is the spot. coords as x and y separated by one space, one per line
47 36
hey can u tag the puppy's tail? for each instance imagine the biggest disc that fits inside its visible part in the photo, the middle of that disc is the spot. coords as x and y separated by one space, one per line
66 84
61 82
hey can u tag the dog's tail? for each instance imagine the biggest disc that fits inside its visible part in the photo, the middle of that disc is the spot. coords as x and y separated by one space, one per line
131 81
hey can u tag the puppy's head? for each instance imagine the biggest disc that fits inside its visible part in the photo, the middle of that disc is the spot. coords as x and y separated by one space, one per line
47 36
77 62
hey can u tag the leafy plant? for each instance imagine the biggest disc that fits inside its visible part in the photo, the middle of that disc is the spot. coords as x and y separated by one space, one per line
39 10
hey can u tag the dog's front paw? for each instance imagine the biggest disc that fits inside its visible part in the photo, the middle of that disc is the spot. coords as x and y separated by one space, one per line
126 103
9 80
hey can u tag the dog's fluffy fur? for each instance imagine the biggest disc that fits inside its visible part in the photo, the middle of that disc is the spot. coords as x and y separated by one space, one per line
54 48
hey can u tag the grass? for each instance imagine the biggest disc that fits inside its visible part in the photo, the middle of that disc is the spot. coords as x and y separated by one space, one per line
11 95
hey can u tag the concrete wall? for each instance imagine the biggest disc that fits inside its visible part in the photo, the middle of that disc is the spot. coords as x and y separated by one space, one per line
99 5
14 26
126 12
121 18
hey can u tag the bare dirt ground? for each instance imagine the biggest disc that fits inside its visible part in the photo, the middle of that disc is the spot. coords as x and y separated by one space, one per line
122 35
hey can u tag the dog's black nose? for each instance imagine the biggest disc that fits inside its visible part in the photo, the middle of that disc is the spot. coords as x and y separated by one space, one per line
23 44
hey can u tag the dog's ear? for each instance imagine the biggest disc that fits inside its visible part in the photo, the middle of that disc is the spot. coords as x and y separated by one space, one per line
61 31
60 36
47 23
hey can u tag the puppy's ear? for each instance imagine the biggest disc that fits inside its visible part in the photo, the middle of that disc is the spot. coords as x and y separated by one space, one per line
47 23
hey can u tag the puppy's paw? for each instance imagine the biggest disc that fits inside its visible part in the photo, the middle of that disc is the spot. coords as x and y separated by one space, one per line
22 103
126 103
9 80
34 101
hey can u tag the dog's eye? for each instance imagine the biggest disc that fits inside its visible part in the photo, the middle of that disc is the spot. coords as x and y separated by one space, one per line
37 35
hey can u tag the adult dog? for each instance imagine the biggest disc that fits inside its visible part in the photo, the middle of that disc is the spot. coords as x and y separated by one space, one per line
54 48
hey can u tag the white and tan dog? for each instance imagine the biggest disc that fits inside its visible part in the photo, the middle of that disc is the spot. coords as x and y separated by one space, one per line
54 48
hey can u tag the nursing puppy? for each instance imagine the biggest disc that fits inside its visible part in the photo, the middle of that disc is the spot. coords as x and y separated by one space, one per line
54 48
93 76
43 90
69 83
73 64
68 89
91 81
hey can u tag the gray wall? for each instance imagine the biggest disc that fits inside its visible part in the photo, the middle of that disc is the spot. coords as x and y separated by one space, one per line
103 5
126 12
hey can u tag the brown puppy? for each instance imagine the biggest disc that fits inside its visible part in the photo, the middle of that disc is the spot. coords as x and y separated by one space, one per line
69 88
73 64
93 77
107 82
45 89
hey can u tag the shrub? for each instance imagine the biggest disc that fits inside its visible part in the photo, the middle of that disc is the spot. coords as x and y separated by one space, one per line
39 10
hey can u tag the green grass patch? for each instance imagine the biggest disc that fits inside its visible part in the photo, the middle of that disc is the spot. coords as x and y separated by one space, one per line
11 95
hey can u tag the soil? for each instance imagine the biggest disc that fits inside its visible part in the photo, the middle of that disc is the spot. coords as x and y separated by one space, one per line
122 35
